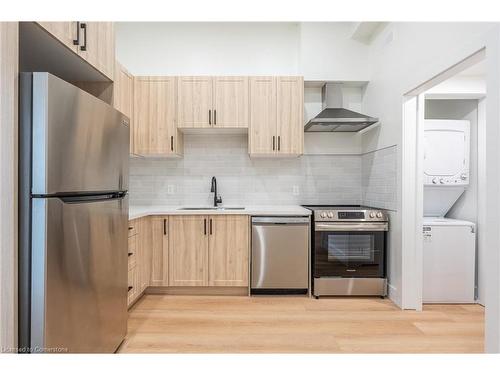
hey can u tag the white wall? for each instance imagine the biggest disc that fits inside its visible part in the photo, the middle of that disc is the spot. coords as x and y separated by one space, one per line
321 51
328 53
403 56
183 48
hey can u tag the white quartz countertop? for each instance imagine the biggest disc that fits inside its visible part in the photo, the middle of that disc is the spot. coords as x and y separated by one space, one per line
136 212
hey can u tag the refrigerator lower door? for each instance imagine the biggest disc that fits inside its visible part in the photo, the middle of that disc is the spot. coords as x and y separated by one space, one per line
79 275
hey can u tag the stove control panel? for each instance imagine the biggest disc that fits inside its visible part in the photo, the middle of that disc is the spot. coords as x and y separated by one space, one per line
362 214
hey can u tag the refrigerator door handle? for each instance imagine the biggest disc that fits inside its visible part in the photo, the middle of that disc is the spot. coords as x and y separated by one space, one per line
93 198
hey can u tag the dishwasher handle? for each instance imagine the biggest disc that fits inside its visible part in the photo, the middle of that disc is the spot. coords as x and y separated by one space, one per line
280 220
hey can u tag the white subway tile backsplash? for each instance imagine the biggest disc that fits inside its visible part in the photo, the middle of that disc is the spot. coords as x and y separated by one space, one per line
322 179
379 178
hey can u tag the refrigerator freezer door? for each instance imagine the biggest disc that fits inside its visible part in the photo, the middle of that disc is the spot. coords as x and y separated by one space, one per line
80 143
79 275
449 264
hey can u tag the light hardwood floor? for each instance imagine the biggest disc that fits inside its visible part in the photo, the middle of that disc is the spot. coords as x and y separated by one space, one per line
220 324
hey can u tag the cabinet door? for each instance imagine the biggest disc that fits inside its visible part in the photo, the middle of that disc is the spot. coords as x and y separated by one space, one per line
154 117
262 130
290 118
230 102
66 32
195 107
188 247
123 97
159 251
228 250
97 46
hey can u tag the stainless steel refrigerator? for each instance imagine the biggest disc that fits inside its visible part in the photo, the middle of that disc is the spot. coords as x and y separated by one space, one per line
73 217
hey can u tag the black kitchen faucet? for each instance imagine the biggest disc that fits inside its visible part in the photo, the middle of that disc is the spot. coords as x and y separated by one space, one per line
213 189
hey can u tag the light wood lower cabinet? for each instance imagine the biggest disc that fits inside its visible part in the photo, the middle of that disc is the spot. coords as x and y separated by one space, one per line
139 257
208 250
188 251
228 248
188 247
159 250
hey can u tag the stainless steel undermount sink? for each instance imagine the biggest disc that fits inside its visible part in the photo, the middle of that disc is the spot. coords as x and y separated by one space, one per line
210 208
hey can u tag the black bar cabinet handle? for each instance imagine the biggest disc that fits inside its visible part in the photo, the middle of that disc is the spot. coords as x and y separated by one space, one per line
76 41
164 227
171 143
210 226
279 143
84 27
209 117
205 226
215 117
273 142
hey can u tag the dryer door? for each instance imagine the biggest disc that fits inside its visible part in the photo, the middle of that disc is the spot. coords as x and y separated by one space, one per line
446 152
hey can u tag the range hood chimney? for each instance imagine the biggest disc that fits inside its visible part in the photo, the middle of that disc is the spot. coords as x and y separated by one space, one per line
335 118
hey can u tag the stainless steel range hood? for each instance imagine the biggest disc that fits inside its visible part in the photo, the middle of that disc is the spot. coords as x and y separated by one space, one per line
334 118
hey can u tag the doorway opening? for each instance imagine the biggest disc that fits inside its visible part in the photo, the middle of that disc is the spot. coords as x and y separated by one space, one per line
444 186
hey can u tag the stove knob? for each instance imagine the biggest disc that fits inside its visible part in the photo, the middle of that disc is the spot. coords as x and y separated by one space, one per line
434 180
379 215
323 215
330 215
372 214
441 180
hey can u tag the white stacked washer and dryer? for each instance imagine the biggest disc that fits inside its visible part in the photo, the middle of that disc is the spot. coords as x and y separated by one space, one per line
449 245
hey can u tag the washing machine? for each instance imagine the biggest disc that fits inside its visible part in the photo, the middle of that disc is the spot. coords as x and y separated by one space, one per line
449 245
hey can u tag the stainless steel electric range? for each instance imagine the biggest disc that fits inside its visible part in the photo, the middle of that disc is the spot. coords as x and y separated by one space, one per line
348 251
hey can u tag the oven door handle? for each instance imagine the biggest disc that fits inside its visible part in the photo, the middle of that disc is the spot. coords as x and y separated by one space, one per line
351 227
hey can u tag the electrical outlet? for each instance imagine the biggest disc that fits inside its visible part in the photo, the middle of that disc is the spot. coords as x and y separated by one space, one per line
170 189
295 190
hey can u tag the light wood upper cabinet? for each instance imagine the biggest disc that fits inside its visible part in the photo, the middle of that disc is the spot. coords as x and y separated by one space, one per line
123 97
188 250
195 102
155 129
93 41
262 130
276 116
228 250
159 251
66 32
230 106
290 115
97 46
213 102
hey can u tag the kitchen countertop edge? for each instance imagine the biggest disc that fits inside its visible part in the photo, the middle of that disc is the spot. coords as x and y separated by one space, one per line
136 212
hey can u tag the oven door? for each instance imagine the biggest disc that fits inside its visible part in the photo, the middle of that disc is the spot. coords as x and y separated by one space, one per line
349 249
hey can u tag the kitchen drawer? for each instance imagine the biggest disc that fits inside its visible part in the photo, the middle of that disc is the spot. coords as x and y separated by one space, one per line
132 252
133 285
132 227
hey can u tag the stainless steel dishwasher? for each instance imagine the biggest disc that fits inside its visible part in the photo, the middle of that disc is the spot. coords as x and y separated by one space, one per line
280 255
